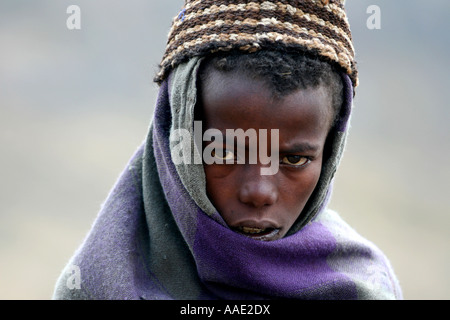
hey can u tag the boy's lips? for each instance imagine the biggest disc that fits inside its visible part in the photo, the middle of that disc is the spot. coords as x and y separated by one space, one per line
262 232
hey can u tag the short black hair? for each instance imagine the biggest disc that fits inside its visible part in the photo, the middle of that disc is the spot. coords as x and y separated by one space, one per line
284 72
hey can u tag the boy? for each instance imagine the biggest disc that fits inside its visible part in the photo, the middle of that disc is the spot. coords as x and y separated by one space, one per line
205 214
298 96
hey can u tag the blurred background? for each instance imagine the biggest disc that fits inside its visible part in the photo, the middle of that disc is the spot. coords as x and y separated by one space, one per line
75 104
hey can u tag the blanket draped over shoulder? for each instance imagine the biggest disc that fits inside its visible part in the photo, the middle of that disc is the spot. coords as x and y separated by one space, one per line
157 236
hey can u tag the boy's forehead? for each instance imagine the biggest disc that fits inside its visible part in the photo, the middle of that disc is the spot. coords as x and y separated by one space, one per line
232 101
223 92
211 77
231 83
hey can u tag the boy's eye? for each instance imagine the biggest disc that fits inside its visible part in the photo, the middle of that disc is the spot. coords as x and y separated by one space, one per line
224 155
294 160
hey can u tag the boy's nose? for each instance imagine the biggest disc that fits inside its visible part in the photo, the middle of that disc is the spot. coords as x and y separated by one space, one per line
257 190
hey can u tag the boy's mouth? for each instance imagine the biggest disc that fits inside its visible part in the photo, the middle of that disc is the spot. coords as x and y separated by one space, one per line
262 234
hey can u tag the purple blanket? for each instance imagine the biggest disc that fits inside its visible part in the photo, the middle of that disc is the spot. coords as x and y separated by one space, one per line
152 240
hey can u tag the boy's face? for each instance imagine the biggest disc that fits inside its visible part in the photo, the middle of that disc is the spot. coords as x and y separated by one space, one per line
264 207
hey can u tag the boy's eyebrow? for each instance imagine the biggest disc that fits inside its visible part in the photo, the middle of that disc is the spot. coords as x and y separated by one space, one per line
296 147
300 147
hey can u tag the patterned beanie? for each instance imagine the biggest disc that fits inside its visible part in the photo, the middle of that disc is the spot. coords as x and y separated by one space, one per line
319 27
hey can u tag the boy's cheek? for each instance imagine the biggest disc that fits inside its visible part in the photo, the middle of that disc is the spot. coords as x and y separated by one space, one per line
218 182
215 171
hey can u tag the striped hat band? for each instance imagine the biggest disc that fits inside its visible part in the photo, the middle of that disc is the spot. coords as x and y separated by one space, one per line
317 26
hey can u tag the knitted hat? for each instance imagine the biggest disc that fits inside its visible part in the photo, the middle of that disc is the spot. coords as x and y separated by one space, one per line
319 27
